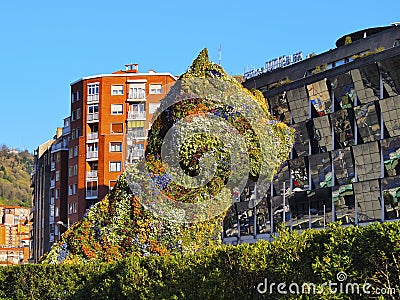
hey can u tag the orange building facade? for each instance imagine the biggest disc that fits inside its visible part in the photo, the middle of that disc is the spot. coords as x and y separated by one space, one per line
110 117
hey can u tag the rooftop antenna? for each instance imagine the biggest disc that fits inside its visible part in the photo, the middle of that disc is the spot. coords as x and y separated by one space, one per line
219 54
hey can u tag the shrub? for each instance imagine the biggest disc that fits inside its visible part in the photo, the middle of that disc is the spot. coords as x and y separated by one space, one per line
365 253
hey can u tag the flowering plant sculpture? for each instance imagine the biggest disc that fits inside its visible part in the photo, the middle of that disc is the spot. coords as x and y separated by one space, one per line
208 137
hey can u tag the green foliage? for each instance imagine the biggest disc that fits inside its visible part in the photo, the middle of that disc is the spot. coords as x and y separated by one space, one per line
259 97
119 226
320 68
368 53
15 169
366 254
279 83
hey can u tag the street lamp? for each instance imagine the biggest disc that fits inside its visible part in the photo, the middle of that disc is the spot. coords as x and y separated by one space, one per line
62 224
59 229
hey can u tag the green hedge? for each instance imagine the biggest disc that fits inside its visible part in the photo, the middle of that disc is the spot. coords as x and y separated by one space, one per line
365 253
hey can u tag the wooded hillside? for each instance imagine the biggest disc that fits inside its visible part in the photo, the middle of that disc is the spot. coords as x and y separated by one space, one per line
15 169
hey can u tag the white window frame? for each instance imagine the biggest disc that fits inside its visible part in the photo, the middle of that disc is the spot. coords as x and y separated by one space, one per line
111 129
155 88
115 166
93 88
117 109
117 89
137 90
115 148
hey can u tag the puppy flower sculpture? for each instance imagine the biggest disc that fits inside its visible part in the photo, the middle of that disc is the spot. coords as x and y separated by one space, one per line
208 138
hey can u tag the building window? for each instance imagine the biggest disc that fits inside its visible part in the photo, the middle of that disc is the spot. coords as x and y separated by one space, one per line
57 214
115 147
115 166
78 96
73 170
117 109
72 208
155 89
75 188
137 91
75 133
93 89
73 115
117 89
57 193
91 189
71 152
93 108
57 175
72 97
78 113
75 151
117 128
69 190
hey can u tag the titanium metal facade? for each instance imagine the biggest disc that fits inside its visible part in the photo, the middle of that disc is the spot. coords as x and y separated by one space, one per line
344 166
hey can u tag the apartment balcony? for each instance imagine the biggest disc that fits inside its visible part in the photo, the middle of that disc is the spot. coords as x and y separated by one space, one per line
94 117
91 194
138 153
92 99
66 130
62 145
92 155
91 175
137 134
92 137
53 166
137 96
52 183
136 115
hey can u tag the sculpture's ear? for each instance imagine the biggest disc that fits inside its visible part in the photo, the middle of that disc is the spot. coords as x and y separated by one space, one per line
199 65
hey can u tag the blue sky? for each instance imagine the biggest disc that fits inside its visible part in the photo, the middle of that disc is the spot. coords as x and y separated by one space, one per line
46 45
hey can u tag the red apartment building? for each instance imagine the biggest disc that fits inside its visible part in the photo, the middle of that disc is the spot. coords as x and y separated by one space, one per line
105 132
110 117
